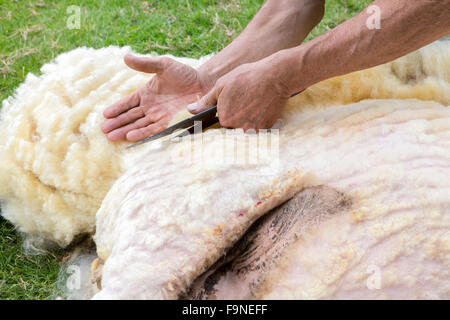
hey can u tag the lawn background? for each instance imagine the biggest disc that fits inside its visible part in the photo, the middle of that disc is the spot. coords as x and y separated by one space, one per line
34 32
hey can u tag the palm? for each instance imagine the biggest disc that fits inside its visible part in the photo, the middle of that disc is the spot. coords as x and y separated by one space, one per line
151 108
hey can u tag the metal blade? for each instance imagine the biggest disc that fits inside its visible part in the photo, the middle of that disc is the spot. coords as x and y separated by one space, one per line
204 124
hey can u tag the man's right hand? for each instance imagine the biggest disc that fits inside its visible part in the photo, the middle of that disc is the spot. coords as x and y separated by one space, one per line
150 109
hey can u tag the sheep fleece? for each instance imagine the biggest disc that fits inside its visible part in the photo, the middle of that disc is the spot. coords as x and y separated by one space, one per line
176 210
165 222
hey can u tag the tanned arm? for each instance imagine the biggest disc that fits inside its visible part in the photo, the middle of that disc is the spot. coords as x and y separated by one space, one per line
279 24
405 26
253 95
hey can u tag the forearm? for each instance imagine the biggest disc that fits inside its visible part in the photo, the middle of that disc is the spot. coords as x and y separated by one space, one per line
279 24
405 26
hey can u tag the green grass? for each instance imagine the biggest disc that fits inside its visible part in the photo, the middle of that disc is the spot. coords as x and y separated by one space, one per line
34 32
24 276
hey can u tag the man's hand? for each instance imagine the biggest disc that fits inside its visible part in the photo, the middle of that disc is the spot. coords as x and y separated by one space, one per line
150 109
251 96
278 25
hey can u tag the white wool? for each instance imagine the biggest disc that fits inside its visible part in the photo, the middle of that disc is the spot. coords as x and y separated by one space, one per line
55 163
168 218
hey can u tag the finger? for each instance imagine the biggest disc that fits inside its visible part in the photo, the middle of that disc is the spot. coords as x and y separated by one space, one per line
121 106
121 133
207 101
145 64
144 132
123 119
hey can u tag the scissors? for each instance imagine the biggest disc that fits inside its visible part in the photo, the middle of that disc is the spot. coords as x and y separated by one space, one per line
208 118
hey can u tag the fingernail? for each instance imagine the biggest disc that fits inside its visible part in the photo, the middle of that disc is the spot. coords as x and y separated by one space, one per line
193 107
131 135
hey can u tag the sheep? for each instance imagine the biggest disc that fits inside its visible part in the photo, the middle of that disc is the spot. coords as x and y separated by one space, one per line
56 166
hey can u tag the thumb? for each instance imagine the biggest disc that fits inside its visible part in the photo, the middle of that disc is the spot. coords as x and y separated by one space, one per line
145 64
207 101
